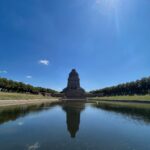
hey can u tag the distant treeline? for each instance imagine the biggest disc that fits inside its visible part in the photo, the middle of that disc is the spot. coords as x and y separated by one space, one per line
19 87
139 87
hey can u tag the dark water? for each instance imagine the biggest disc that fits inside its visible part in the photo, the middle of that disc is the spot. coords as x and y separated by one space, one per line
75 127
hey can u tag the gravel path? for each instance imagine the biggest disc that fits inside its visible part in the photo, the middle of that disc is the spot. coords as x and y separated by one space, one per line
4 103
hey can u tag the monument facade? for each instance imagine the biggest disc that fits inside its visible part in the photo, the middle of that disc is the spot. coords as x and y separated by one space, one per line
73 89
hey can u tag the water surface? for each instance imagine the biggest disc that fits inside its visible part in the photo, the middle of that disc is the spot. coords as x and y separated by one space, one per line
74 127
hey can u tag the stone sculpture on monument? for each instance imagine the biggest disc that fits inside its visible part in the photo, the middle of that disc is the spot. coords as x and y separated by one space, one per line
73 89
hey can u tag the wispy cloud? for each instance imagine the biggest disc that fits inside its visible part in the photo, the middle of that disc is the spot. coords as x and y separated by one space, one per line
3 71
34 146
20 123
28 77
44 61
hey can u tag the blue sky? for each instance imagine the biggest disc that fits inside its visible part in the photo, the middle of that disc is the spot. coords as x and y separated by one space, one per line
107 41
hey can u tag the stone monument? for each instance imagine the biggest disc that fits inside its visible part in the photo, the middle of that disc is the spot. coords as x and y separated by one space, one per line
73 89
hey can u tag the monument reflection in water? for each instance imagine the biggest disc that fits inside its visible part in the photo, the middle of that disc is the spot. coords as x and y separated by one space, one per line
73 116
44 127
73 92
73 111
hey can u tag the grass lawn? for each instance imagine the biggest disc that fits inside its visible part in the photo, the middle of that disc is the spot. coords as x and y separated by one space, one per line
123 105
20 96
128 98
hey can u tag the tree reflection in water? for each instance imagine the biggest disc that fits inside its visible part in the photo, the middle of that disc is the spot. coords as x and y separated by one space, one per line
139 112
73 111
13 113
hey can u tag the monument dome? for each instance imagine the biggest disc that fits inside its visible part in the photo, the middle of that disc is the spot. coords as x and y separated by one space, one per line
73 89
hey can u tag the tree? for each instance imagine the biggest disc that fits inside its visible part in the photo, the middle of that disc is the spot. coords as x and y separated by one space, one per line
139 87
14 86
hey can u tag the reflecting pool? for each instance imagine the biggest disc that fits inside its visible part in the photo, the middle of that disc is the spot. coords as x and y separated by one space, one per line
75 126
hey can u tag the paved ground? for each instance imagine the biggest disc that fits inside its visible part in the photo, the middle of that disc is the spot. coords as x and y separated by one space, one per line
4 103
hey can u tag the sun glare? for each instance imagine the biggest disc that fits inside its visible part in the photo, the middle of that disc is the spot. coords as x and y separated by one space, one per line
111 9
109 4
